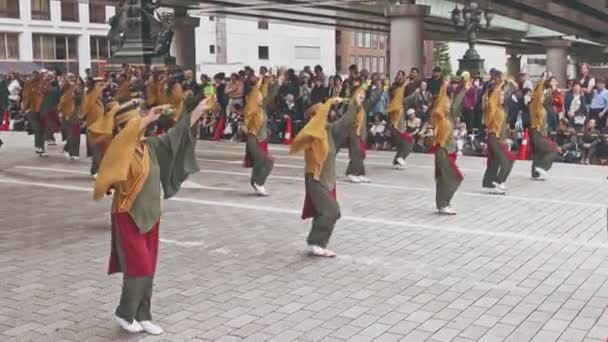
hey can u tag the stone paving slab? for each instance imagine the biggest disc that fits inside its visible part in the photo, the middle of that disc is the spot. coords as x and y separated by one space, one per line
529 266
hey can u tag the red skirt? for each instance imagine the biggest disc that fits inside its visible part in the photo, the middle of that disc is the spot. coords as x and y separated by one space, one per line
219 129
549 142
140 251
309 210
262 145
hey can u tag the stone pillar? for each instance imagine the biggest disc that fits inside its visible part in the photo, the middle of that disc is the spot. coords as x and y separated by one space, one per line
557 59
513 65
184 39
406 43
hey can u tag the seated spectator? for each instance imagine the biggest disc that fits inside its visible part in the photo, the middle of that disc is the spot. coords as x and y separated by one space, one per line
413 124
378 131
460 134
567 141
588 142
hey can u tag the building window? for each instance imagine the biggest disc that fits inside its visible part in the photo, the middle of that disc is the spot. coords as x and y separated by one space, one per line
374 40
338 37
9 46
56 52
353 60
353 39
368 63
211 18
338 63
381 41
9 9
97 12
359 39
262 25
69 10
359 62
381 65
100 48
368 40
374 67
307 52
263 52
41 9
212 49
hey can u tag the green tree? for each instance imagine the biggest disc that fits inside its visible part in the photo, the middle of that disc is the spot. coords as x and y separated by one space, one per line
441 57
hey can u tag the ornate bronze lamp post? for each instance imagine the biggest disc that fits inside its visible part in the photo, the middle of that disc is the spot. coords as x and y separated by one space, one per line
470 20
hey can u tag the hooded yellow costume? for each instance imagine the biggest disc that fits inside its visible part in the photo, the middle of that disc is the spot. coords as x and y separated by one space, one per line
447 174
395 106
136 168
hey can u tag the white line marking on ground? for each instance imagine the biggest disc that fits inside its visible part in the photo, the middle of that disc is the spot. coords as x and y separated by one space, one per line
388 163
373 185
437 228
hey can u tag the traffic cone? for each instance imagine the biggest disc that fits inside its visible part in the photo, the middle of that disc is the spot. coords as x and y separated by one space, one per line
523 149
219 129
6 122
287 135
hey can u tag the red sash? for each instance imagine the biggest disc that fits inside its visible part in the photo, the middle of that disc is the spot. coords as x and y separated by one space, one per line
363 147
452 157
505 150
309 209
407 137
219 129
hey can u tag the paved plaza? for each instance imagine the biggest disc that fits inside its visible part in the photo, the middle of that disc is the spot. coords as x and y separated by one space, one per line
529 266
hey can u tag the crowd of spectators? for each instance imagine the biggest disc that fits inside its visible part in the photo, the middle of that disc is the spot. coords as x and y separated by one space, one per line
577 114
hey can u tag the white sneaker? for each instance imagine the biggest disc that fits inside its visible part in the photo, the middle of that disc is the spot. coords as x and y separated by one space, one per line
94 176
543 173
321 252
398 167
67 155
353 179
133 328
259 190
74 158
447 211
42 154
502 186
498 188
497 191
151 328
364 179
401 162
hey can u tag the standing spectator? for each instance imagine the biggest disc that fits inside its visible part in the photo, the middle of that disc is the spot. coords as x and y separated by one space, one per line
319 92
524 81
14 94
291 85
220 91
552 91
590 139
468 105
413 82
587 83
335 86
575 108
599 104
434 82
189 85
377 100
234 90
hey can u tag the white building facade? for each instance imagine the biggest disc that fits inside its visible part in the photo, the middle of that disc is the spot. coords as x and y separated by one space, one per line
69 35
229 44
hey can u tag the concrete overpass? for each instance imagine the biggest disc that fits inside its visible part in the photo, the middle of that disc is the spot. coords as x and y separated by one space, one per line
557 28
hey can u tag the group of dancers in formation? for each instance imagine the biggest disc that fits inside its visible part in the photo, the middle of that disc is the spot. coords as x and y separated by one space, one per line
132 165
